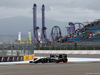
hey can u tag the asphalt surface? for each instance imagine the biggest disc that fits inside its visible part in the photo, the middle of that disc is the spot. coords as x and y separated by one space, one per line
53 68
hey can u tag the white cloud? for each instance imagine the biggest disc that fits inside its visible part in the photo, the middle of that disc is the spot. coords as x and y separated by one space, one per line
71 14
16 3
6 12
60 10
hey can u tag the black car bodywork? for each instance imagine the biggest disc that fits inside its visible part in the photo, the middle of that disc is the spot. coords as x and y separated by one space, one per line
53 58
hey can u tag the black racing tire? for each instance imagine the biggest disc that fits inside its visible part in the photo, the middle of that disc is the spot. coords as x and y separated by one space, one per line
46 60
30 61
65 60
43 60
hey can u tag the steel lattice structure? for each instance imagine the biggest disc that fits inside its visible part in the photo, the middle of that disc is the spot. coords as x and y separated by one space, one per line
71 29
79 24
68 30
56 31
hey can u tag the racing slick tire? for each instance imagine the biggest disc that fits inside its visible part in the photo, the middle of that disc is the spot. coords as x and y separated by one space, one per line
44 60
65 60
30 61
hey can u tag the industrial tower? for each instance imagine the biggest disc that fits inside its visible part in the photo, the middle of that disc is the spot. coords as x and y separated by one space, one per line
35 28
43 33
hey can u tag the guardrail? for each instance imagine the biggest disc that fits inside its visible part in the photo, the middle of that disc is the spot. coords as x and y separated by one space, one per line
67 51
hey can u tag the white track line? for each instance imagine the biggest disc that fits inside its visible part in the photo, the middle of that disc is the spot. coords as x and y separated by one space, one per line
71 59
18 62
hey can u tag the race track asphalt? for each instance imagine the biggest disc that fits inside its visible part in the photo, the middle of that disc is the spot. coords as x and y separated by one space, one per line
53 68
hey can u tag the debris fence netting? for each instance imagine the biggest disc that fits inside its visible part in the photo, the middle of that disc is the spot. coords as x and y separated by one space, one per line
69 46
16 49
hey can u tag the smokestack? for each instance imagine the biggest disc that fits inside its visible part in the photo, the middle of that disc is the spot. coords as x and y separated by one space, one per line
43 34
34 20
34 5
43 15
35 28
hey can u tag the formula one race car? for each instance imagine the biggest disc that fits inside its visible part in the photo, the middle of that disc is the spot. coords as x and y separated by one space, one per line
51 59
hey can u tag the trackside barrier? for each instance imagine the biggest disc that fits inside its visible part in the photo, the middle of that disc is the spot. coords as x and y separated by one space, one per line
67 51
10 59
14 58
20 58
17 58
4 59
28 57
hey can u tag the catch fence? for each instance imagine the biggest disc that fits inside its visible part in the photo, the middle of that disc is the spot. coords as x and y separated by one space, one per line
69 46
16 49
